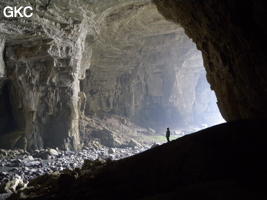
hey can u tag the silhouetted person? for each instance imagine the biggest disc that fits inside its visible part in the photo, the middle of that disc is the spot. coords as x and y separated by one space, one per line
168 133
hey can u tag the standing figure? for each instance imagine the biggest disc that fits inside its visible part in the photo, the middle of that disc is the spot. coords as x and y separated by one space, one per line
168 133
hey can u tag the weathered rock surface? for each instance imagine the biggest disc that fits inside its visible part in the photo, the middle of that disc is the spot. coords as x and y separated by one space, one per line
45 58
232 38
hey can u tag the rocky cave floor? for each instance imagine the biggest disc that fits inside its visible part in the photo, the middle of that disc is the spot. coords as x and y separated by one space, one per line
103 140
18 167
221 162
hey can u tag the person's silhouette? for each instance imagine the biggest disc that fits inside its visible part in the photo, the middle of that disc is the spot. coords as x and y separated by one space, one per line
168 133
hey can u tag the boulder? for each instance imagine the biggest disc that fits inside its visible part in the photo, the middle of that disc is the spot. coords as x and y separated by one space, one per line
53 152
133 143
106 138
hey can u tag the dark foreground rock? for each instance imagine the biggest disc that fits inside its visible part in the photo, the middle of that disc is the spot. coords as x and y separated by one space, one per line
223 162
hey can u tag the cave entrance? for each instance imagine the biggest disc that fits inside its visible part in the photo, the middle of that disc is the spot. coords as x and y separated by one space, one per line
147 75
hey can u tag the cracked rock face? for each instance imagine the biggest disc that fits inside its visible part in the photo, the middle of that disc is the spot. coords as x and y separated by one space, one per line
45 58
76 57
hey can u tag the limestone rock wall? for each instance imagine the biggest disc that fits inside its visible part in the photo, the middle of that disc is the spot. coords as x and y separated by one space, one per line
232 38
146 69
45 59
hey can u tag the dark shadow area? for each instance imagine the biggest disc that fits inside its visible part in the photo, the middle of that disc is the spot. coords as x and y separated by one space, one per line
8 122
12 134
224 161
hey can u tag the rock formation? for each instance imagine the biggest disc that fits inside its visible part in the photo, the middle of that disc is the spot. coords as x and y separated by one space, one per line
45 58
100 59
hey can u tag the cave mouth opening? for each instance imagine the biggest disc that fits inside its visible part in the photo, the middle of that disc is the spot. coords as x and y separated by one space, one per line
178 93
199 107
146 75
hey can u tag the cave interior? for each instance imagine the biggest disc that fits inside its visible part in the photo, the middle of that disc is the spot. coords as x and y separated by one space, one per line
115 74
